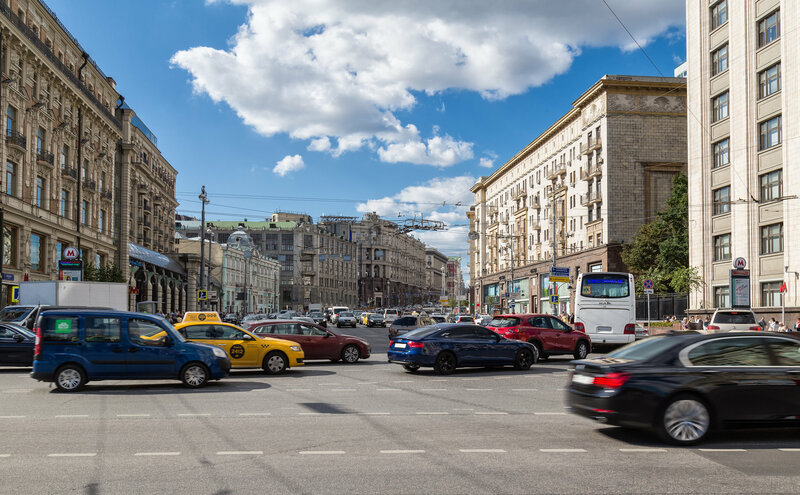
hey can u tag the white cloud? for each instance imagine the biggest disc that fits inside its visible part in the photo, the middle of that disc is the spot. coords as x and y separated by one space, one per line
486 162
289 163
341 71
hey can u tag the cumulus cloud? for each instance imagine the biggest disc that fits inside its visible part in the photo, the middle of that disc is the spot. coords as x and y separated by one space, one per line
337 74
289 163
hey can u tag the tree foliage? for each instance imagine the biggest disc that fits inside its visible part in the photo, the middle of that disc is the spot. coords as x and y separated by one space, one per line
660 249
108 273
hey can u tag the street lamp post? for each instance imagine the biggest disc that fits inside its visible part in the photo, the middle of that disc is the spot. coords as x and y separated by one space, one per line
210 245
202 281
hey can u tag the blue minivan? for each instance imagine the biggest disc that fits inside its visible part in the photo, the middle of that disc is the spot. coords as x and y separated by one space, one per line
74 347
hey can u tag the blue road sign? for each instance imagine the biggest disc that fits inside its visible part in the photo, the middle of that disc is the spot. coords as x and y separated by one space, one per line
648 284
553 299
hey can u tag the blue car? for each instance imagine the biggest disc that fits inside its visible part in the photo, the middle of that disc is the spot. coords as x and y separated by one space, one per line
447 346
74 347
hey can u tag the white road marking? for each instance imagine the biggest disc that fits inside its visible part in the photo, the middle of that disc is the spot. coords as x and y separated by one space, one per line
470 379
375 413
524 389
550 414
343 390
562 451
477 389
241 452
488 413
328 384
192 415
432 389
402 451
5 455
147 454
73 455
72 416
642 450
321 452
298 390
12 417
789 450
133 415
256 414
482 451
463 409
388 390
438 380
722 450
431 413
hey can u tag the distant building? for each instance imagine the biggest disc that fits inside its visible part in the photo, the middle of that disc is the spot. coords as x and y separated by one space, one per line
435 270
682 70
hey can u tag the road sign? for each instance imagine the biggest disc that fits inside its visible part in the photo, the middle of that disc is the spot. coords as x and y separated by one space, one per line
739 263
783 288
202 295
212 295
553 299
71 253
648 286
559 274
15 294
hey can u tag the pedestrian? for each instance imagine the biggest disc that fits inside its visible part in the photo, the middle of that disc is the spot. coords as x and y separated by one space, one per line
685 323
781 327
797 325
762 323
773 325
706 322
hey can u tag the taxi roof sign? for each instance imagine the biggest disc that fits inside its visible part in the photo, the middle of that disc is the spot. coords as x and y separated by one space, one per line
201 316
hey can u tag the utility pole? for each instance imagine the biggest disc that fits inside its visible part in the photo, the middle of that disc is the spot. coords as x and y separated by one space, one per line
554 284
203 199
511 282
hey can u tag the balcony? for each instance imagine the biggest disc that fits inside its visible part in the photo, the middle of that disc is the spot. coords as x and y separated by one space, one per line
89 184
45 158
17 139
590 172
559 186
519 194
146 222
589 147
535 203
70 173
590 198
147 208
107 195
536 224
559 168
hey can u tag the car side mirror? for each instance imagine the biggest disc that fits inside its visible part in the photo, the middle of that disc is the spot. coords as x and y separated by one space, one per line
569 329
247 336
18 338
326 335
168 341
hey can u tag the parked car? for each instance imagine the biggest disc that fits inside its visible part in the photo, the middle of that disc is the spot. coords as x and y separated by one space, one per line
448 346
686 385
77 346
345 319
16 345
549 334
407 323
317 342
376 320
733 320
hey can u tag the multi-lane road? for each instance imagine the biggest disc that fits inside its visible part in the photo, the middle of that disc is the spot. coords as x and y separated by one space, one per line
363 428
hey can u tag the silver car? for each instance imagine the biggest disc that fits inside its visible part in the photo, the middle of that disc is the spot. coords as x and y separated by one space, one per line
346 319
407 323
732 320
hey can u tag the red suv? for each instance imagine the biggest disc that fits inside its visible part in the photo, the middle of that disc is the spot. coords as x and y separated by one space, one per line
549 334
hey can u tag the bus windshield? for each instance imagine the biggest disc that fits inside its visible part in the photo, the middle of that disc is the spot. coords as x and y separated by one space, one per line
605 286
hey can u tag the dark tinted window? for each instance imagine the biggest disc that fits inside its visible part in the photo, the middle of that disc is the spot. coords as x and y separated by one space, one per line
787 352
199 332
14 314
740 317
558 324
406 321
7 333
458 333
503 322
485 334
59 329
420 333
644 349
438 319
101 329
736 351
539 322
313 331
141 332
604 286
466 319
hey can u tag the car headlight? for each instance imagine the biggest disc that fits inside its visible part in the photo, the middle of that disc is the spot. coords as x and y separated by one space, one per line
219 353
296 348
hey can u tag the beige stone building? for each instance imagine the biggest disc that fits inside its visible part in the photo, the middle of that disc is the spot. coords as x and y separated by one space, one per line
583 187
435 270
744 98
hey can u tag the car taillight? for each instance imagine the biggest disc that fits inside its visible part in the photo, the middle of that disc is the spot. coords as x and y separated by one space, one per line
391 343
579 327
514 329
611 380
37 347
416 345
755 328
630 329
713 327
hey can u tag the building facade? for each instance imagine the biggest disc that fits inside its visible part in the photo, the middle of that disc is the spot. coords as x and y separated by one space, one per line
435 269
579 190
744 94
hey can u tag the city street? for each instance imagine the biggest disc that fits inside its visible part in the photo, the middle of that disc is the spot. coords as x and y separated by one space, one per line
363 428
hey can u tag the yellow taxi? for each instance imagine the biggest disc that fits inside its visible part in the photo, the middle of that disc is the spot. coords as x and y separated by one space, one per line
245 349
365 317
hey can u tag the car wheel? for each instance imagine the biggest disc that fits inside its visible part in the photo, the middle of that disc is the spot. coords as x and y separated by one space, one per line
411 368
275 363
541 355
70 378
350 354
194 375
685 420
581 350
445 363
524 359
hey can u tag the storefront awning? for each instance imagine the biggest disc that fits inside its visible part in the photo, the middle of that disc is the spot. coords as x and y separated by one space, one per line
140 253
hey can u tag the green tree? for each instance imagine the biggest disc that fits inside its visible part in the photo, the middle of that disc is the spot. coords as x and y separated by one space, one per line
108 273
660 249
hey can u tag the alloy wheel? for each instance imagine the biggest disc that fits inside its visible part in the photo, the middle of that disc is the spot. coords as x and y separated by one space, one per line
69 379
194 375
686 420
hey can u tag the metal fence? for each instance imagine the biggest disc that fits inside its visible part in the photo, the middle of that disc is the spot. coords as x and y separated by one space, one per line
662 306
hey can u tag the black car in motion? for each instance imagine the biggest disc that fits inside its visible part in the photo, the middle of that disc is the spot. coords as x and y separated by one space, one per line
683 386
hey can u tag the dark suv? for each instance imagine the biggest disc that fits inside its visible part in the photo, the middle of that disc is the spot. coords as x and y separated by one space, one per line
549 334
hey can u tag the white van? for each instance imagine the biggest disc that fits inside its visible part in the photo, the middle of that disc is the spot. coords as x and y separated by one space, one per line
390 315
335 310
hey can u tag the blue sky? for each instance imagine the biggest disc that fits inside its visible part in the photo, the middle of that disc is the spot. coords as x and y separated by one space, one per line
389 106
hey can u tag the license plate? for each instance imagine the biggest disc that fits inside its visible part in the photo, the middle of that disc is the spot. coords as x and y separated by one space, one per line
583 379
399 346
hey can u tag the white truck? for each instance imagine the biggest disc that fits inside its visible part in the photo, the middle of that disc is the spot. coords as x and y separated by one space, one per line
35 296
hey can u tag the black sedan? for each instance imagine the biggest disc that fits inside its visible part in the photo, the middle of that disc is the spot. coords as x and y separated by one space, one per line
446 347
684 386
16 345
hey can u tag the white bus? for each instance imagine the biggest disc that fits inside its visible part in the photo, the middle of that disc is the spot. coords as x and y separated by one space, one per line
605 307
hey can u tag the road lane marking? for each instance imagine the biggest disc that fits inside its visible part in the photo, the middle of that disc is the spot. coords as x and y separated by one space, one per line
789 450
482 451
470 379
487 413
328 384
642 450
298 390
438 380
431 413
133 415
524 389
503 377
342 390
72 416
403 381
148 454
256 414
561 451
477 389
18 390
433 390
193 415
321 452
12 417
76 454
388 390
463 409
4 456
375 413
550 414
402 451
722 450
241 452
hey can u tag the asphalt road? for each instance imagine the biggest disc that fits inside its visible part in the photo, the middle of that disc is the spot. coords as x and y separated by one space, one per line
363 428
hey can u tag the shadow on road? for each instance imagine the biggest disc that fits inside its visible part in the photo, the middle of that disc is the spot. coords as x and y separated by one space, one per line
171 388
750 439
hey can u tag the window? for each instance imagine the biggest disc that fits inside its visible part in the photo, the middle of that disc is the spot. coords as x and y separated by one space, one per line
37 253
722 247
64 156
11 120
100 329
721 200
770 133
101 221
39 191
84 211
84 170
735 351
772 238
40 140
11 179
9 245
771 185
769 81
787 352
604 286
770 294
59 250
59 329
141 332
719 107
722 297
64 203
719 14
719 60
721 153
102 183
769 28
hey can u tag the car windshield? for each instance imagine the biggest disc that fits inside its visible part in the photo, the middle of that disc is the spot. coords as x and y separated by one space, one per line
504 321
644 349
420 333
604 286
346 314
315 314
741 317
14 313
438 319
406 321
173 332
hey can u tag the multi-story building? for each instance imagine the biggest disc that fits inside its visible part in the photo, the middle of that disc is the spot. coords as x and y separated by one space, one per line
435 269
579 190
744 98
391 263
454 280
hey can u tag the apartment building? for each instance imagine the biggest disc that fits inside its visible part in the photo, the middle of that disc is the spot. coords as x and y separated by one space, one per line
744 96
435 270
579 190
